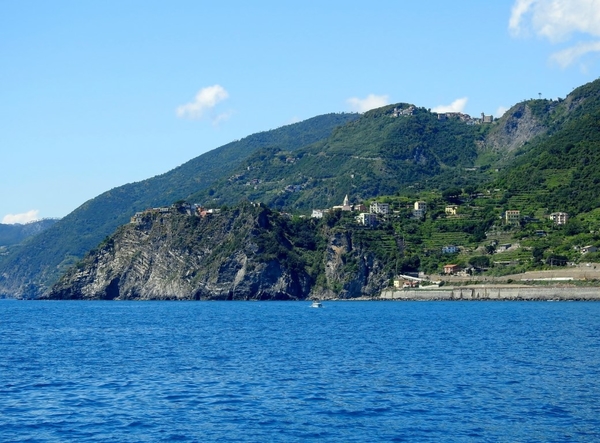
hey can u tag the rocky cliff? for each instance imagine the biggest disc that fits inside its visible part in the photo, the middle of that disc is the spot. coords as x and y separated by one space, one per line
247 252
518 126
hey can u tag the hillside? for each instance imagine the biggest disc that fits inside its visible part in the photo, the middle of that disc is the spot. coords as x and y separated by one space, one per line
240 253
16 233
538 158
374 155
40 261
560 172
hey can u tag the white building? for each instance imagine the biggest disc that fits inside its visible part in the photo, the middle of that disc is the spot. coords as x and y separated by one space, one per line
559 218
512 217
367 219
379 208
451 210
420 209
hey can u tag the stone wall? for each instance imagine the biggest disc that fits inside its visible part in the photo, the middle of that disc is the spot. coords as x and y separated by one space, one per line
494 293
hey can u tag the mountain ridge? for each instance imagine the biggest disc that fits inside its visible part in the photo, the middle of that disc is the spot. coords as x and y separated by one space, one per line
383 152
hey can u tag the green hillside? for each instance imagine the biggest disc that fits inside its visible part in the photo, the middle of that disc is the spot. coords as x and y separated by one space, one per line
560 172
375 155
540 157
16 233
39 261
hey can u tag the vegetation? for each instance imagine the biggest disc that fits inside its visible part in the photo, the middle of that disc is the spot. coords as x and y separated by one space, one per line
16 233
374 155
42 259
539 158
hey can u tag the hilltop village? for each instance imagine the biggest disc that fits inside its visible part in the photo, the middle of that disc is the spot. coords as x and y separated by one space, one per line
466 118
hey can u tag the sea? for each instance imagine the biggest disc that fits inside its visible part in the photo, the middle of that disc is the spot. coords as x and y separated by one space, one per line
352 371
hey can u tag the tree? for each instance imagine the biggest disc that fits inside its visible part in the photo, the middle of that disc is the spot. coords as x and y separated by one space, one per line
537 254
480 261
470 189
451 195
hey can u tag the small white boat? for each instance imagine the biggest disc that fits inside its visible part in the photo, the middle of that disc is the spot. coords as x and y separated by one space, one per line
316 304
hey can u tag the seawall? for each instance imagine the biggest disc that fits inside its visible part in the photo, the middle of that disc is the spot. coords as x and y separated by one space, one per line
493 293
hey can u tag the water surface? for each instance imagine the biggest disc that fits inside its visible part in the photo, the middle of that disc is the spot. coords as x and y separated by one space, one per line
282 371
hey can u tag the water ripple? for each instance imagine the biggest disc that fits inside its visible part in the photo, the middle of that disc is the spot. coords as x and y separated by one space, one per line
354 372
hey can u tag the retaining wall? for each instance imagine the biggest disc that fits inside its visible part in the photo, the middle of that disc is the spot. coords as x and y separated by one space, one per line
493 293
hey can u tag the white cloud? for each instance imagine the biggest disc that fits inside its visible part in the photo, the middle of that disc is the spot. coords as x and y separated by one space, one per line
457 105
520 8
372 101
500 111
207 98
568 56
26 217
556 20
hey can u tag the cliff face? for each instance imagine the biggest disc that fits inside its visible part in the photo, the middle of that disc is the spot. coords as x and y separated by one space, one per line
351 271
239 254
517 127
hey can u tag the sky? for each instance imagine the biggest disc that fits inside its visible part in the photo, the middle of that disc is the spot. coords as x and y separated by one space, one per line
94 95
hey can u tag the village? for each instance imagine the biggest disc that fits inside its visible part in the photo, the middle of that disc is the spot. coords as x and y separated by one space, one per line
377 213
466 118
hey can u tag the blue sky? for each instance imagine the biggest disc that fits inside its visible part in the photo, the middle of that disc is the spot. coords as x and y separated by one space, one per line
94 95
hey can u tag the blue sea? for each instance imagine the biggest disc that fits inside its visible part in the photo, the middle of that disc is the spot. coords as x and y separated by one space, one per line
286 372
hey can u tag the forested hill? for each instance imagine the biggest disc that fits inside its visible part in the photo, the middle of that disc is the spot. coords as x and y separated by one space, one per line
15 233
374 155
542 155
39 262
560 171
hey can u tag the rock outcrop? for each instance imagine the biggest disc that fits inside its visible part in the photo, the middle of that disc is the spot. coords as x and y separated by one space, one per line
517 127
243 253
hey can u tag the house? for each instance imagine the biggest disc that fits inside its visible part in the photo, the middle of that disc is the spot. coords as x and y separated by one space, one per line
451 249
136 219
587 249
379 208
559 218
420 208
466 272
367 219
203 212
451 269
162 210
404 112
406 282
451 210
317 213
293 188
512 217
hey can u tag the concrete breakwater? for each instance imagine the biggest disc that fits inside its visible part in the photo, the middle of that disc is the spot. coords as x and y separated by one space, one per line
488 292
